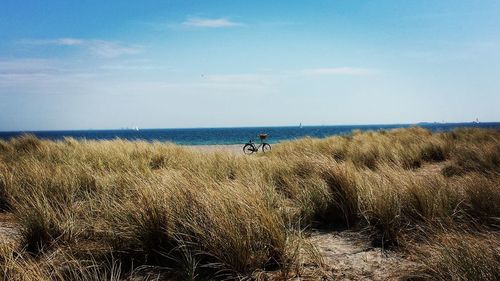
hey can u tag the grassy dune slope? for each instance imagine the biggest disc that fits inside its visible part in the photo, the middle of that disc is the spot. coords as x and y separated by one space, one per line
116 210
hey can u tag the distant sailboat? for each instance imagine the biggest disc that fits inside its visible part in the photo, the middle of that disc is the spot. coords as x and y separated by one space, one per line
300 125
136 128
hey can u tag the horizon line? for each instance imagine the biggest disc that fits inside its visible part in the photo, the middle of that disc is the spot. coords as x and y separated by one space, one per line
252 126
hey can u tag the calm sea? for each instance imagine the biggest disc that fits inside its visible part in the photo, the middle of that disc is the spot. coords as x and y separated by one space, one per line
203 136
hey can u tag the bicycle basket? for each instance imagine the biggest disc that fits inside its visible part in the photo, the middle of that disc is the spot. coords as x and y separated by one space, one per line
262 136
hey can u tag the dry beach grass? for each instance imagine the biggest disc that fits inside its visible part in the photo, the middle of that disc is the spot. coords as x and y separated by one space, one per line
120 210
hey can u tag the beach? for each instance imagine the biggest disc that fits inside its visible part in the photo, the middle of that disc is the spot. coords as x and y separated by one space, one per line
233 148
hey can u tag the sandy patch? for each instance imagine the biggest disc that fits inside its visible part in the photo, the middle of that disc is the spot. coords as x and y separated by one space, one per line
234 148
9 230
349 256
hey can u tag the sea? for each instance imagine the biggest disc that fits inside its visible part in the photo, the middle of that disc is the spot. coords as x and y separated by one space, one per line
238 135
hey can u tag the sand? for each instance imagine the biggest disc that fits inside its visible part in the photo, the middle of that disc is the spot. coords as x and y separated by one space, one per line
234 148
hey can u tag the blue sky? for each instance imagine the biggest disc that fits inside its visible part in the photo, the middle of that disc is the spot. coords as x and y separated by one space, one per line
164 64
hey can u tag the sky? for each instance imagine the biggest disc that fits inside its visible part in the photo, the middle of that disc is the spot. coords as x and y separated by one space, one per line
112 64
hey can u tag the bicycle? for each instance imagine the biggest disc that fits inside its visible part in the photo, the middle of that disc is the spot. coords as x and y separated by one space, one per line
250 146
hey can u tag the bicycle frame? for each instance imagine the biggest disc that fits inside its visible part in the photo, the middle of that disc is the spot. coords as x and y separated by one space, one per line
256 147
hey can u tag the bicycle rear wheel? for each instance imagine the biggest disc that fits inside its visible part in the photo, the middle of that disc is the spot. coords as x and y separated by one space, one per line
266 147
248 149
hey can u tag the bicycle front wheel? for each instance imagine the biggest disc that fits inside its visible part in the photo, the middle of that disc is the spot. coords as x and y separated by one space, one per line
266 147
248 149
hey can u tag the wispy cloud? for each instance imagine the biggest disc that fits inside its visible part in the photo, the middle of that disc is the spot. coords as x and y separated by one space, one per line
210 22
14 71
338 71
101 48
12 66
57 41
69 41
22 73
126 75
109 49
236 78
130 65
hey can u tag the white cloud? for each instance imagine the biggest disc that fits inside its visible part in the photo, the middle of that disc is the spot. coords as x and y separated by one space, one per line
210 22
338 71
101 48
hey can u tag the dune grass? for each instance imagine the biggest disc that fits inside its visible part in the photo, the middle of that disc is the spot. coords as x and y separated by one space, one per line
459 255
116 209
